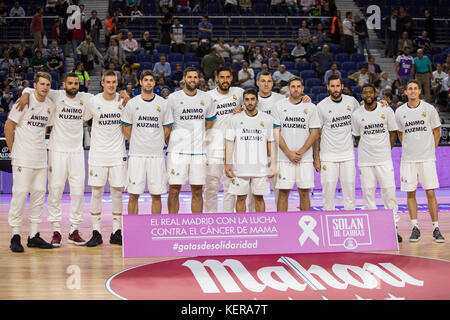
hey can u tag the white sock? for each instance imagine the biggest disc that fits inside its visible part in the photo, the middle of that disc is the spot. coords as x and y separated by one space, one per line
15 230
33 229
117 223
56 227
414 223
435 225
96 222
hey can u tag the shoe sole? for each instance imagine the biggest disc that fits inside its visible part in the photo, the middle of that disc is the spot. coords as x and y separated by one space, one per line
113 242
438 241
414 240
91 246
35 246
77 243
18 251
56 245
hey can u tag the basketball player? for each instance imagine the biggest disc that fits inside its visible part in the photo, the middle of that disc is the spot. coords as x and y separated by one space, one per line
107 156
375 132
146 122
336 158
225 99
249 139
419 131
297 127
25 137
193 112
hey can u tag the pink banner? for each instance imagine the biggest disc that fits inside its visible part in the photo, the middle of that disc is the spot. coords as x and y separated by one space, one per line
188 235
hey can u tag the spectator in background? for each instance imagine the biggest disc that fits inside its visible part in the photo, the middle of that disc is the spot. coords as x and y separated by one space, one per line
223 49
404 67
130 4
372 66
37 27
348 30
130 45
299 53
281 77
210 63
245 6
251 47
26 49
264 68
304 35
165 24
423 42
205 29
83 76
323 61
21 62
110 27
12 51
314 47
438 80
405 22
446 65
334 70
38 62
3 15
147 44
391 33
256 59
50 6
87 52
135 12
7 99
165 93
56 30
203 48
13 78
292 7
403 43
363 34
162 65
348 91
112 67
422 68
283 53
115 51
177 36
429 25
320 34
237 51
230 6
176 76
55 63
75 21
128 77
93 25
268 49
336 28
160 85
17 11
183 7
274 62
246 76
385 81
363 76
307 6
390 100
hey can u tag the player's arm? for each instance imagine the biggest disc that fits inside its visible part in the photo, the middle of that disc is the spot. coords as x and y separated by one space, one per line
357 138
316 152
273 165
392 137
292 156
229 148
167 131
24 100
127 128
10 126
437 136
313 136
209 123
400 136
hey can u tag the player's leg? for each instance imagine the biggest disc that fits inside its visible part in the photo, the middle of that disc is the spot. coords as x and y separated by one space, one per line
20 190
197 198
197 179
76 183
241 205
117 178
97 180
135 182
240 187
260 188
212 185
347 179
284 184
173 201
329 175
177 174
229 200
283 200
305 202
368 179
409 181
304 177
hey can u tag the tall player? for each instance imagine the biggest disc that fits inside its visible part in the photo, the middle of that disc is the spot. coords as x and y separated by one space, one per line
225 99
297 127
107 156
336 159
419 131
375 131
146 123
25 137
193 112
249 144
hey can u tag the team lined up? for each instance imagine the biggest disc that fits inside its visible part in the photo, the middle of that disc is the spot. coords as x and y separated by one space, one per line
241 138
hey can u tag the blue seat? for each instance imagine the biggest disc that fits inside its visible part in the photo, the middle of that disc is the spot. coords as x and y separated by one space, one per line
357 57
190 56
321 96
295 72
303 65
356 90
144 57
289 65
313 82
348 82
439 58
308 74
348 65
162 48
175 57
335 48
342 57
238 65
318 90
145 65
193 64
312 96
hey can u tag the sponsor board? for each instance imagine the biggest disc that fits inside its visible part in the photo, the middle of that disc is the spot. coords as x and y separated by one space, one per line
329 276
258 233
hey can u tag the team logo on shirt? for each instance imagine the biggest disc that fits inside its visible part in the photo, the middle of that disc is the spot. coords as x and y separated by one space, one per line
120 107
91 173
324 167
262 123
81 102
48 110
19 169
172 171
158 109
383 116
233 181
234 97
305 111
424 114
50 169
202 102
349 108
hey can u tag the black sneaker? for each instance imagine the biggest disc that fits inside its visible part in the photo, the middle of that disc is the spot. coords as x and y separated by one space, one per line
38 242
95 240
116 238
16 246
415 235
399 238
437 236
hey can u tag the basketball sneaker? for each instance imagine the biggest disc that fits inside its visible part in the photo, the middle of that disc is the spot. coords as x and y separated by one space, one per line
399 238
415 235
16 246
38 242
95 240
75 238
116 238
437 236
56 240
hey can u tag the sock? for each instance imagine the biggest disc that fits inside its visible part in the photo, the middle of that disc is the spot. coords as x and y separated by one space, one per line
73 228
15 230
117 223
56 227
414 223
435 225
33 229
96 222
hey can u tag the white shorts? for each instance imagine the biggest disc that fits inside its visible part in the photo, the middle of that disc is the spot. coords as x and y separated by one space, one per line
63 166
147 169
183 167
215 167
301 174
382 173
260 186
411 173
116 175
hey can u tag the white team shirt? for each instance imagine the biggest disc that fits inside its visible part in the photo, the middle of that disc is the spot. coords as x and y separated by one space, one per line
107 138
67 120
29 148
336 142
295 121
224 104
266 104
373 129
417 126
147 119
189 114
250 136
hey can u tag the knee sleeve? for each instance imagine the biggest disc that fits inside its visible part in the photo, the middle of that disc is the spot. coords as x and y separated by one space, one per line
116 200
96 199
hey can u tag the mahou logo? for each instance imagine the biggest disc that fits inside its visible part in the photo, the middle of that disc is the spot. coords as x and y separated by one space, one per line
331 276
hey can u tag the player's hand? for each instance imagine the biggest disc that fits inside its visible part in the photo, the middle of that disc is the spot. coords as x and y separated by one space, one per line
272 171
23 101
293 156
123 95
229 171
317 164
306 99
238 109
384 103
